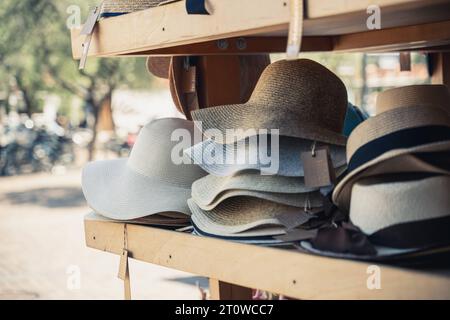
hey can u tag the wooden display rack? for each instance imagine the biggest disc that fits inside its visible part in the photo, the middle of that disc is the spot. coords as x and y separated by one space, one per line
260 26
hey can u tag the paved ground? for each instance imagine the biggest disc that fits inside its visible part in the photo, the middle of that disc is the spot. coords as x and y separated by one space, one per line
43 255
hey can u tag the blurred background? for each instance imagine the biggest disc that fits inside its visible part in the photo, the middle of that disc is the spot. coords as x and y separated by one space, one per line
54 118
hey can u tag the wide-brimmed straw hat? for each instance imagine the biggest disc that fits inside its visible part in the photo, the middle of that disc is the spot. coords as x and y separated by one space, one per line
300 200
248 154
146 183
177 70
301 98
247 217
397 131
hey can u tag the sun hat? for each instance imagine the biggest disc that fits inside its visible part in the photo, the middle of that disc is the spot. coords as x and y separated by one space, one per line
229 159
146 183
398 216
430 95
395 132
301 98
300 200
176 70
156 220
112 8
247 217
403 211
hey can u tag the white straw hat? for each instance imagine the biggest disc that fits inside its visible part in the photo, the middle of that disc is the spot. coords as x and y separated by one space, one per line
395 132
236 216
148 182
402 211
229 159
299 200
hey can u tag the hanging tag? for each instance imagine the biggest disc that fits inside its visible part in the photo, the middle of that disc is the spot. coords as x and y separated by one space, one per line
318 168
86 44
293 219
123 267
189 81
88 30
295 29
297 235
89 25
405 61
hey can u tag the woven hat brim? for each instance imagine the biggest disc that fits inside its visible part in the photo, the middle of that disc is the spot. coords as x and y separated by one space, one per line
383 253
254 116
289 161
117 192
299 200
245 238
342 192
231 219
395 120
153 220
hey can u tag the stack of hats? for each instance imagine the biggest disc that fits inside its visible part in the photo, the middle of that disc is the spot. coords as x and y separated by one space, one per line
256 189
397 190
153 185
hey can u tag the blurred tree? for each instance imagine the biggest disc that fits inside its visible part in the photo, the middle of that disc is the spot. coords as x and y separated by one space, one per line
35 56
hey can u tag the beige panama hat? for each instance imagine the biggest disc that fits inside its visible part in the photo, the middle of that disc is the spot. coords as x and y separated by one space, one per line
300 98
150 181
400 130
403 211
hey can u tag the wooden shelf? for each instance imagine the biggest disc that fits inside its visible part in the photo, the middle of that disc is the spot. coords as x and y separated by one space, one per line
286 272
338 25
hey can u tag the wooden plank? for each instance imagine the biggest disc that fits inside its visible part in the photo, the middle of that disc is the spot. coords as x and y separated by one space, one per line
220 290
160 29
279 271
411 37
346 16
219 82
252 45
170 25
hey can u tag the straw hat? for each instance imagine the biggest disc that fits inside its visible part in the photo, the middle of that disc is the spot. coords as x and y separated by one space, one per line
301 98
210 187
403 211
300 200
395 132
236 216
174 69
148 182
117 7
230 159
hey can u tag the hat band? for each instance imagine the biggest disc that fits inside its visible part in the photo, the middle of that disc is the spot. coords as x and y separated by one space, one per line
407 138
417 234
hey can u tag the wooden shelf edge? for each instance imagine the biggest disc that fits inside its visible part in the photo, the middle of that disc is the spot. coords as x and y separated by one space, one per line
279 271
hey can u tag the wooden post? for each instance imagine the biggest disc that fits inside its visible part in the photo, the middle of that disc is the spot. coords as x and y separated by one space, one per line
220 83
441 68
225 291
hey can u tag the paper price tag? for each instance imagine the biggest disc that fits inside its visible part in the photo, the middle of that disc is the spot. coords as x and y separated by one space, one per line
123 266
295 29
319 170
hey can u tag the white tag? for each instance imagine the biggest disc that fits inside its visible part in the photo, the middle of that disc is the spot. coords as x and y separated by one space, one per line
295 30
86 44
89 25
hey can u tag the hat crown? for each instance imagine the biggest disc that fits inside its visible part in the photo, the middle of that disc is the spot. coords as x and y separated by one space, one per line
428 95
319 98
158 152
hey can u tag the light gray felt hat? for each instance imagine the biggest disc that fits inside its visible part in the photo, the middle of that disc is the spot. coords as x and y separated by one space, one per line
146 183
